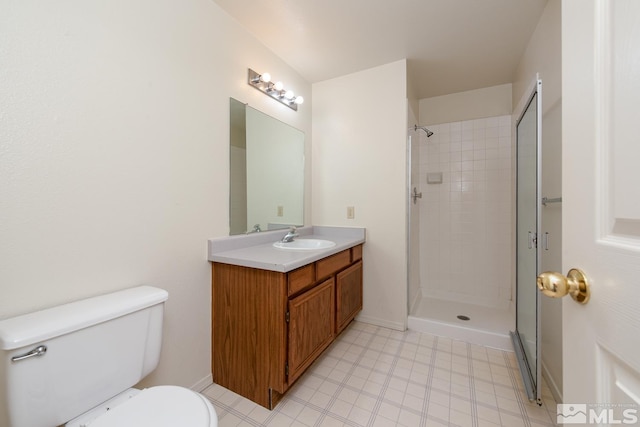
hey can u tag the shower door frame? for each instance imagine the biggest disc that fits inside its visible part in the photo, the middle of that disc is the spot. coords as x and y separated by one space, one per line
411 145
534 390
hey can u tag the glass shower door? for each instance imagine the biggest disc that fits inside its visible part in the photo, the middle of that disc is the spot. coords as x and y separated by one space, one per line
526 337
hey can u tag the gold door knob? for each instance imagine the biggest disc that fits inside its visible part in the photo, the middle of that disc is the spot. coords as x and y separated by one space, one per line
555 285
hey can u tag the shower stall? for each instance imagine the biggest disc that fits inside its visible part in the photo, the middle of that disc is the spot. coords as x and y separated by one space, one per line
460 230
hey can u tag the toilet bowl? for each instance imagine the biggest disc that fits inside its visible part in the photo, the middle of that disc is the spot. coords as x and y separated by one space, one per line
160 406
78 362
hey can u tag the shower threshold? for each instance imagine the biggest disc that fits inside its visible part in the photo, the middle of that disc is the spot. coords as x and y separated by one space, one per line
486 326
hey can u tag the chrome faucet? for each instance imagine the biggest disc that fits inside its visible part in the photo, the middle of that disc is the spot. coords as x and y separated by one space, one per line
288 238
256 229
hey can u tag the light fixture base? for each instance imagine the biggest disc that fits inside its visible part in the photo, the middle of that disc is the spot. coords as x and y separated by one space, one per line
268 89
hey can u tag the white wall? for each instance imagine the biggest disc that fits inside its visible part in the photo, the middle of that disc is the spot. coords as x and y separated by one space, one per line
473 104
359 159
543 56
114 164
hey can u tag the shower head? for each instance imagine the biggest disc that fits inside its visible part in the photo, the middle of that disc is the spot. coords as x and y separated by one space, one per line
427 131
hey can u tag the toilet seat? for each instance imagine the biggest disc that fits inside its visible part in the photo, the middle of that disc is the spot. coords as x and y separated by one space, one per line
161 406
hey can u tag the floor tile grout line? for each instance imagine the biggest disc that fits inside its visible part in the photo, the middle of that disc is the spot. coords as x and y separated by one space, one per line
514 383
472 389
398 355
321 409
432 366
385 385
230 409
443 351
428 387
325 411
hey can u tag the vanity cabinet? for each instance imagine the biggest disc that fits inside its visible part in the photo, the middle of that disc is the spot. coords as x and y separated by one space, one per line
268 327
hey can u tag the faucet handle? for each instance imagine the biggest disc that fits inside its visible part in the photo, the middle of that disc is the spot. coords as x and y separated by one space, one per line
290 235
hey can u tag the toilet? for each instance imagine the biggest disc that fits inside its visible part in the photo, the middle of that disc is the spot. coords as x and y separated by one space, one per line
75 365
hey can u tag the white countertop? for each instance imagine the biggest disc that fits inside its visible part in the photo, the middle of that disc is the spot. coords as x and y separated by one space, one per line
256 250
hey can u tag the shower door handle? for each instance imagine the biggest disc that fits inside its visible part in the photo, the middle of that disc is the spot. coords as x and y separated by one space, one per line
415 195
555 285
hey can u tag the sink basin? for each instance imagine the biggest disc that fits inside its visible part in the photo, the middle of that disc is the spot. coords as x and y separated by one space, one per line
305 244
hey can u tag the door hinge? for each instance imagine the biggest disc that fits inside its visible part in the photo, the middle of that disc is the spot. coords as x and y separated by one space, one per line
286 317
286 369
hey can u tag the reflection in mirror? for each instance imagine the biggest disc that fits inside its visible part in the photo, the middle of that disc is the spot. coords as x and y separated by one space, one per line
266 189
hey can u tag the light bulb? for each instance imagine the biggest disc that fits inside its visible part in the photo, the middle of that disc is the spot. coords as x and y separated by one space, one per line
299 100
289 94
278 86
266 77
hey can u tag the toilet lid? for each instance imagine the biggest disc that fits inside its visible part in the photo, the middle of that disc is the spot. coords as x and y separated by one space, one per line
161 406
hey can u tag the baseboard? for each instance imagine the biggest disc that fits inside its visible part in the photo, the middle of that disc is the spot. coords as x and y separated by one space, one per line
203 383
553 386
381 322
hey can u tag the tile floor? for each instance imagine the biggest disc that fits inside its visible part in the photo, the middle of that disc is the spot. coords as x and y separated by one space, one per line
373 376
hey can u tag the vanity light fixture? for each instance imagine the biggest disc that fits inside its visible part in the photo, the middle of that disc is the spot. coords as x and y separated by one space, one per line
276 90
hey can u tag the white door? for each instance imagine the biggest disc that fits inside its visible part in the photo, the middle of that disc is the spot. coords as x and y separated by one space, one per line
601 208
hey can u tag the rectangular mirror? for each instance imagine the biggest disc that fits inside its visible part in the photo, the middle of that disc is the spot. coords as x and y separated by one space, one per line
266 190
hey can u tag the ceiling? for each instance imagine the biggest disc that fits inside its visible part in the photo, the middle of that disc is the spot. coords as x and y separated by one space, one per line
451 45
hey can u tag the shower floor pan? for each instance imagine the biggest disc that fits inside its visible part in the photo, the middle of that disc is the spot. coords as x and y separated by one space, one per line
487 326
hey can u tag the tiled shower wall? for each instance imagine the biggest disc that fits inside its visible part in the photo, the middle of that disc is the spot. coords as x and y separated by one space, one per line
465 221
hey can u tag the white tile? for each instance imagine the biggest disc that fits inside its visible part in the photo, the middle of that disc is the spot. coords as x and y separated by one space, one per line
359 415
308 416
408 418
389 411
366 402
291 408
328 387
438 411
460 418
348 395
341 408
229 420
259 414
413 402
394 396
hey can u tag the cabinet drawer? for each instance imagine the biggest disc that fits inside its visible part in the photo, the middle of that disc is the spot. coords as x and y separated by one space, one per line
356 253
328 266
299 279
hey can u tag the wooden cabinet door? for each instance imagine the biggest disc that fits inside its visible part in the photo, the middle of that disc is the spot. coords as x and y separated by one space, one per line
311 326
348 295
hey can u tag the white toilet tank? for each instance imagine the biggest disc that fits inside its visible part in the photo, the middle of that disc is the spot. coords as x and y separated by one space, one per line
95 349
